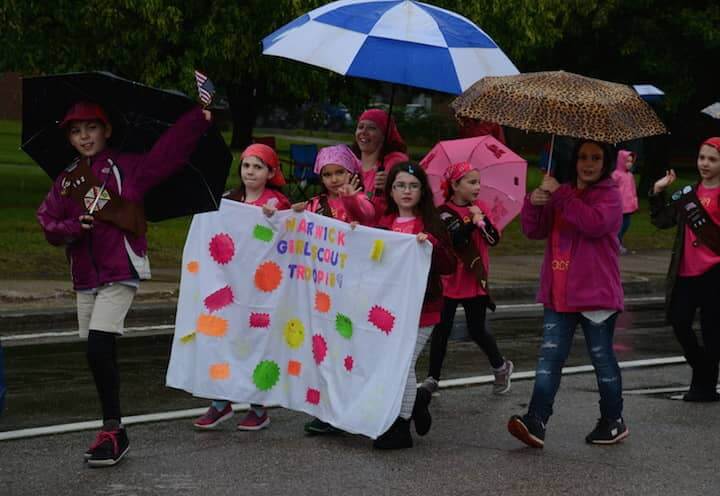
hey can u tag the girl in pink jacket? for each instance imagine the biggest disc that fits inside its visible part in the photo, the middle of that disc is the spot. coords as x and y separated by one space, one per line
342 198
579 284
623 177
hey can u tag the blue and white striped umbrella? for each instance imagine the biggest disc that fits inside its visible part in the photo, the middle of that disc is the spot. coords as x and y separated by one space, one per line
398 41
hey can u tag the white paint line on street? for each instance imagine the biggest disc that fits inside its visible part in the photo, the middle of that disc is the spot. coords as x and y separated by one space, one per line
64 334
194 412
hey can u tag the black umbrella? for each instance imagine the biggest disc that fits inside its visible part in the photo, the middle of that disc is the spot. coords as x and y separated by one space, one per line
139 115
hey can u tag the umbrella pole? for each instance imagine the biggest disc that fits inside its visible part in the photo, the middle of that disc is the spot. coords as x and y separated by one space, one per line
381 166
550 156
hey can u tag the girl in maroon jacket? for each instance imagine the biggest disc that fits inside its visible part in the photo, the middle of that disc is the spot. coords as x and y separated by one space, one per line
410 210
108 253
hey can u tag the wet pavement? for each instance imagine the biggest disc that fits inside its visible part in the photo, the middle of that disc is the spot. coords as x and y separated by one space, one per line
50 383
672 450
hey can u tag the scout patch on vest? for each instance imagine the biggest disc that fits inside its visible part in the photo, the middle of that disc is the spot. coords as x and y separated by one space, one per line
85 188
696 217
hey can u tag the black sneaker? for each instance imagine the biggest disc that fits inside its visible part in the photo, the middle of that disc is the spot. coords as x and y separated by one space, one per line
608 432
420 414
527 429
396 437
111 448
697 396
317 427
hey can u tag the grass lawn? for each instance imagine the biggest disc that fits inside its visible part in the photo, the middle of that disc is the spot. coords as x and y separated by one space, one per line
24 253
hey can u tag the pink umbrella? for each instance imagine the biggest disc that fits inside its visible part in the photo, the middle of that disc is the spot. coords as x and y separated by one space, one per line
502 174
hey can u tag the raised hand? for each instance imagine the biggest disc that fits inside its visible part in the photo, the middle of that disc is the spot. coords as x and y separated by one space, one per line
539 197
549 184
350 188
380 177
665 181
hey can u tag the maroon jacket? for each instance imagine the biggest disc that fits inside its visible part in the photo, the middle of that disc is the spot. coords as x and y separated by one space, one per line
443 263
105 253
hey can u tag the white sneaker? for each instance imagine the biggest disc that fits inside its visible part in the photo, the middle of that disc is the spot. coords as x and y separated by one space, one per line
502 378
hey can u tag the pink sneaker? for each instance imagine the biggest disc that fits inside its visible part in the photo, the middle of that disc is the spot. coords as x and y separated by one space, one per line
212 418
252 422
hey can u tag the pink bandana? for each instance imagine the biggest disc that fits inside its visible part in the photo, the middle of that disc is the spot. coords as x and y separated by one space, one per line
454 173
340 155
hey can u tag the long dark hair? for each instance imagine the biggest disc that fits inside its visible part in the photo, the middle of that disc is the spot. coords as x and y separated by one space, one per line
425 208
609 154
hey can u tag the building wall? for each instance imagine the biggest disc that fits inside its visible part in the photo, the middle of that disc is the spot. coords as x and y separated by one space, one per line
10 96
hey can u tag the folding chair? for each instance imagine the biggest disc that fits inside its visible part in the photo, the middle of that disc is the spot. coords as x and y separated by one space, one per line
265 140
302 162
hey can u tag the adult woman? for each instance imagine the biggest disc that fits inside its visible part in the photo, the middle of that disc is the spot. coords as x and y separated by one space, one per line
376 151
579 284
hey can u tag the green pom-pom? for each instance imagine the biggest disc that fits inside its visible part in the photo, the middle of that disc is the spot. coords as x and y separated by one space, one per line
344 326
266 375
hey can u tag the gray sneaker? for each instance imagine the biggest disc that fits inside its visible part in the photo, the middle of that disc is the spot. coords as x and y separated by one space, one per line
502 378
430 384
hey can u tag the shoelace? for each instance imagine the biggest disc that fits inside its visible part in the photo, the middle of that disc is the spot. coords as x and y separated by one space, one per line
103 436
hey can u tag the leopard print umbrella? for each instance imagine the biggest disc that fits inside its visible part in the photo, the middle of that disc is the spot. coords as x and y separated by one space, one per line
560 103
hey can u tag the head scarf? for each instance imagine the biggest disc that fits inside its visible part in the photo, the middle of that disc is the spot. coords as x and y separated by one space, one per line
714 142
454 173
340 155
269 158
380 118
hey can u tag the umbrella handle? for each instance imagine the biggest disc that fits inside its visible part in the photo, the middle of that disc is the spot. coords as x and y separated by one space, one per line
550 156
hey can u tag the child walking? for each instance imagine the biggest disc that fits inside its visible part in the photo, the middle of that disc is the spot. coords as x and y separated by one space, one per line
260 182
471 233
105 243
623 177
410 210
341 199
693 280
579 284
341 196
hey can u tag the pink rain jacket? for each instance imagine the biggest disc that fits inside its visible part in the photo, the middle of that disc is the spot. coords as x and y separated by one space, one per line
626 183
593 280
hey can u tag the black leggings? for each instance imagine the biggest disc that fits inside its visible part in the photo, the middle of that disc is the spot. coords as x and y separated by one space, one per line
102 359
475 310
690 294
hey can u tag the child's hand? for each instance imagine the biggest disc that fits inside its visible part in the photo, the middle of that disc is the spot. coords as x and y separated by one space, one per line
664 182
421 237
549 184
86 221
269 210
298 207
539 197
207 114
351 188
353 225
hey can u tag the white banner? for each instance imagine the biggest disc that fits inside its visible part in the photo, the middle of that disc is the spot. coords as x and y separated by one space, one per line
300 311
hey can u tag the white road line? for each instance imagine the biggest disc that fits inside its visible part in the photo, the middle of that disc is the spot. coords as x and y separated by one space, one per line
62 334
194 412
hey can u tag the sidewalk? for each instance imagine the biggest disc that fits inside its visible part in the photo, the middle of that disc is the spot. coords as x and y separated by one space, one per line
41 305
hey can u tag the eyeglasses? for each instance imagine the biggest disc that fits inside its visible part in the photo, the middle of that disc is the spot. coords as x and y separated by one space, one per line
406 186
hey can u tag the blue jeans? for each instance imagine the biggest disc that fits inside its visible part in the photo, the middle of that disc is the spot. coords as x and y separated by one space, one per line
559 329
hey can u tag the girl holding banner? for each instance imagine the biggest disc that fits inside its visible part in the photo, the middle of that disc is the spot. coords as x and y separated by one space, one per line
694 276
260 182
410 210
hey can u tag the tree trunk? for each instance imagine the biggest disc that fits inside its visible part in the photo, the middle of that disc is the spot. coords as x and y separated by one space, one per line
243 109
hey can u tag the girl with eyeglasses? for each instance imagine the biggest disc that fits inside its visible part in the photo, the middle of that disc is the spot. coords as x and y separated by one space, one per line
410 210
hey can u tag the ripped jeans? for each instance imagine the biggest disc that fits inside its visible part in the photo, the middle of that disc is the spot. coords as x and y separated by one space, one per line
559 329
